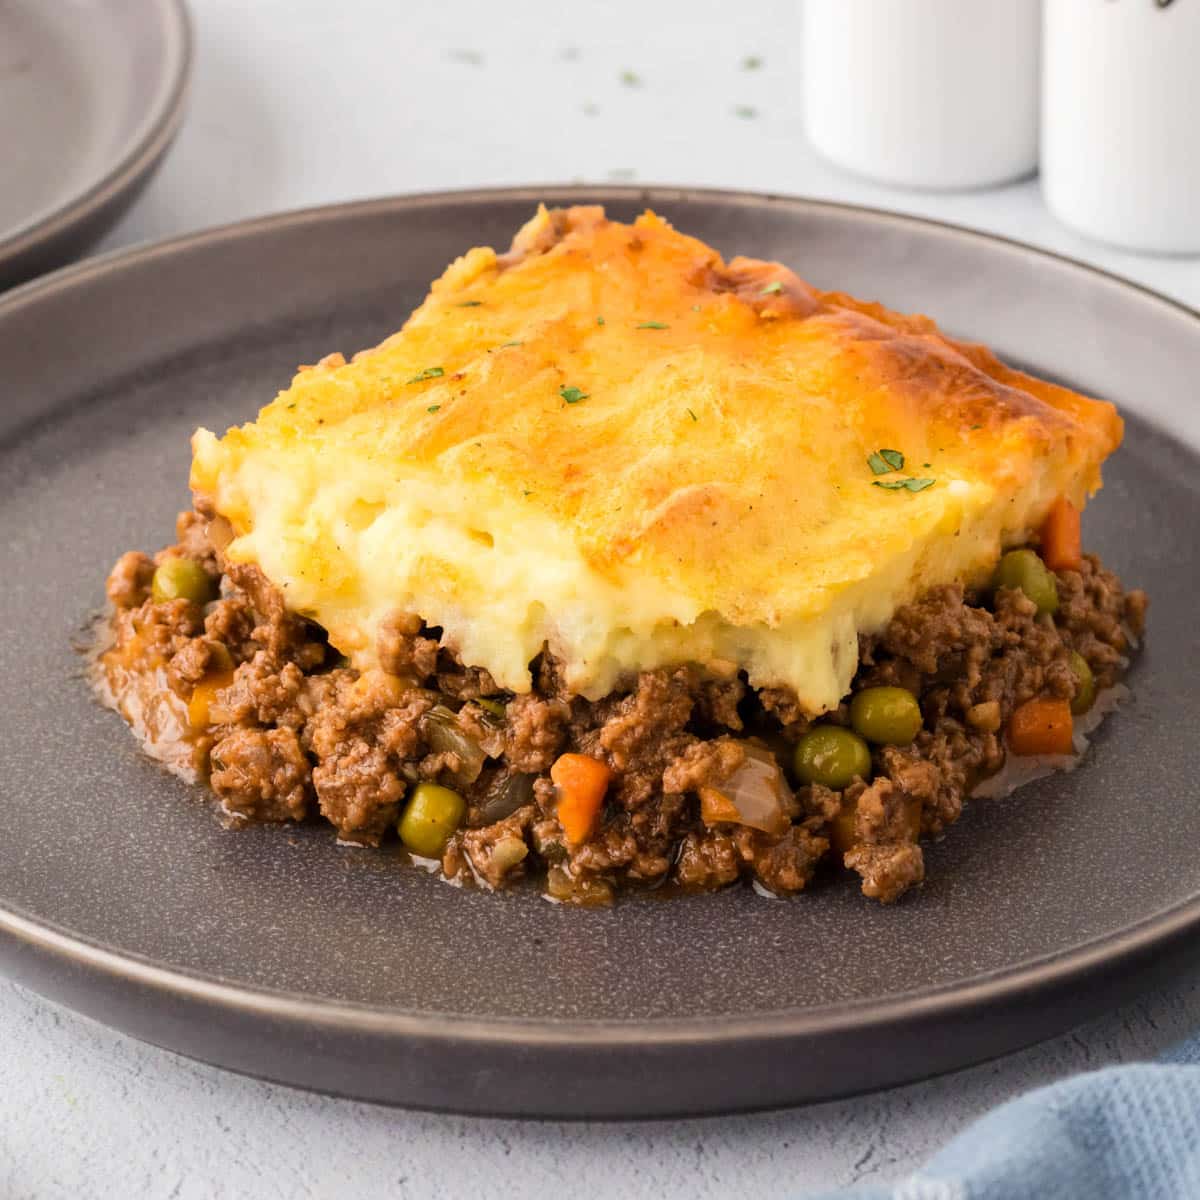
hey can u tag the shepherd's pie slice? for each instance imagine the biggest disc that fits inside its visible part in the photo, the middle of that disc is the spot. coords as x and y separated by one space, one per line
610 442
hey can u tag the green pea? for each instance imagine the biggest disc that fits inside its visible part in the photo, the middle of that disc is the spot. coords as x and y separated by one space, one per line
833 756
431 816
1023 569
182 579
1085 695
888 716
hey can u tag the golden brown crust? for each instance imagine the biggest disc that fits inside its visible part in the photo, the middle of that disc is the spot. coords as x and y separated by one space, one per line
677 427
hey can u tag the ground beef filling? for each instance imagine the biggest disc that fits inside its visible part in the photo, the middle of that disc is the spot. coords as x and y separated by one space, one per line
247 695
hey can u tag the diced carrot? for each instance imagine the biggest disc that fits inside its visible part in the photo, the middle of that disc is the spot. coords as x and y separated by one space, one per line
1062 549
581 781
203 695
717 809
1042 726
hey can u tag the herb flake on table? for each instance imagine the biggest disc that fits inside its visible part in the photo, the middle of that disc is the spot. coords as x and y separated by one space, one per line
631 78
746 111
752 62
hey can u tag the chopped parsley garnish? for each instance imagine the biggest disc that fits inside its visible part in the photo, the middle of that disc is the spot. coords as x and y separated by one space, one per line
883 461
631 78
908 485
772 289
599 320
433 408
746 111
976 427
572 395
692 415
695 308
468 304
505 345
653 325
428 373
751 62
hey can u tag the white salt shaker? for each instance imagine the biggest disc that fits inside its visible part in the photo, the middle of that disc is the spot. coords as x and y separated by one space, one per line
924 93
1121 120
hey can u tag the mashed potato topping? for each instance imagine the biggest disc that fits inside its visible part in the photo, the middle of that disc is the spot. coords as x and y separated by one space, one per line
612 442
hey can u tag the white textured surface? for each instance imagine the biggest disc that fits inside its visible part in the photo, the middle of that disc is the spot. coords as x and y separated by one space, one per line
300 102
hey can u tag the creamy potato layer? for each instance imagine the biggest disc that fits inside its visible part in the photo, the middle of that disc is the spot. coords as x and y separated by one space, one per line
613 443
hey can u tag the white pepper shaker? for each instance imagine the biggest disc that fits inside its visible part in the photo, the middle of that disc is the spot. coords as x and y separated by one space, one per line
924 93
1121 121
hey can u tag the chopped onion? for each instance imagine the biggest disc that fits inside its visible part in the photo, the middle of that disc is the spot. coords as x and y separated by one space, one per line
445 735
754 795
508 792
508 852
586 891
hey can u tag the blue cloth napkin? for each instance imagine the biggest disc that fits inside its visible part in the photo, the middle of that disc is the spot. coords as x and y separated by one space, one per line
1122 1132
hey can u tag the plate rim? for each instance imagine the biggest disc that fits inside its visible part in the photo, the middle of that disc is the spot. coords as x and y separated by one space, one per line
138 158
1152 938
1037 977
248 227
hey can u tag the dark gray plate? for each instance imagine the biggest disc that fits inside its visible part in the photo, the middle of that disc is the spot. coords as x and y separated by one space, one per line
280 954
91 96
